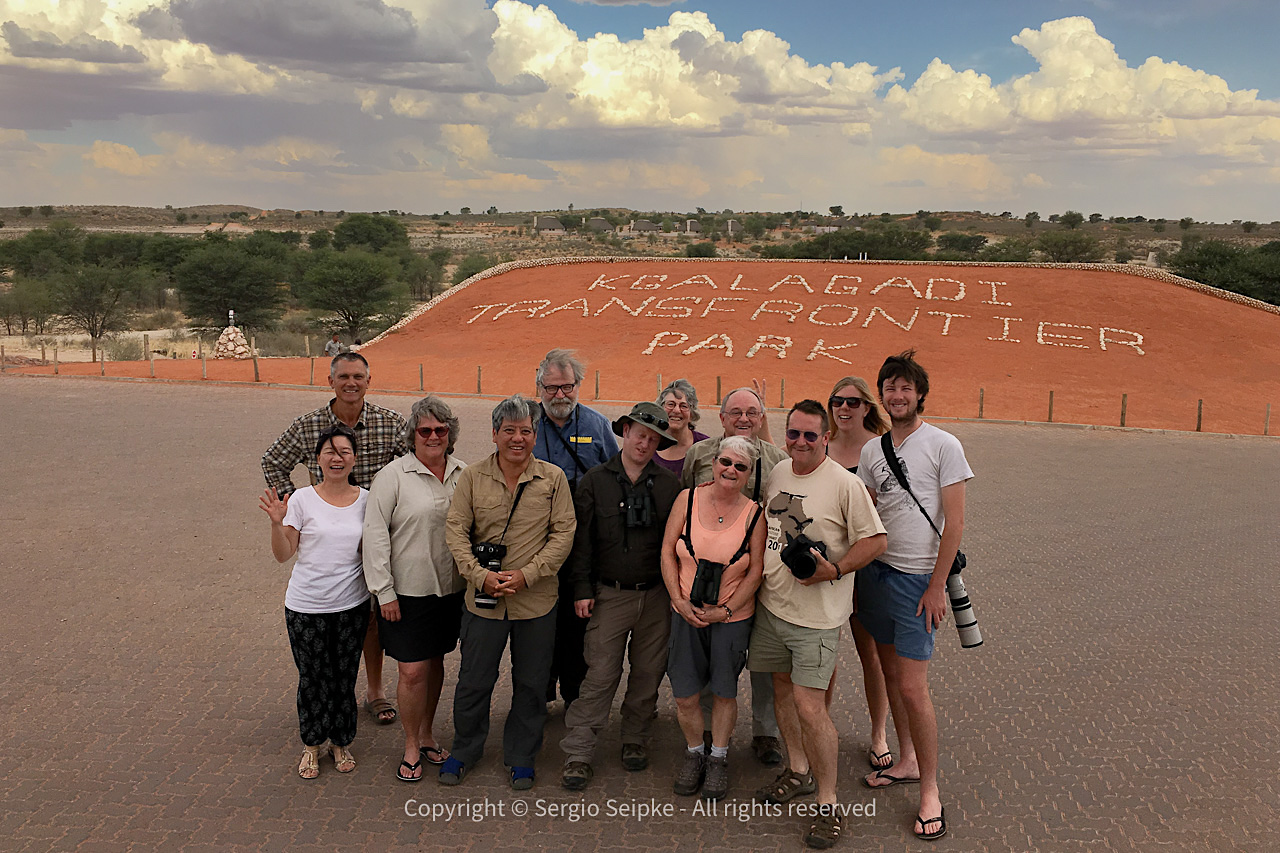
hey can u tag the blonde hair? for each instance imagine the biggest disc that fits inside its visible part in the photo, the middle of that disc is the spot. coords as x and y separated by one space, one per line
874 421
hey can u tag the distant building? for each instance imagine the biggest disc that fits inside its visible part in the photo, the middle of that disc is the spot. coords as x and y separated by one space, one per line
733 227
689 226
548 224
642 225
599 223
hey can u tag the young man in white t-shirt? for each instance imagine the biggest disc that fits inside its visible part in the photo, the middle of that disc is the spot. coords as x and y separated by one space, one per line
805 598
902 595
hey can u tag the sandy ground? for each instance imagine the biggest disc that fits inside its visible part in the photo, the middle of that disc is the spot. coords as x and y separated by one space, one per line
997 341
1124 700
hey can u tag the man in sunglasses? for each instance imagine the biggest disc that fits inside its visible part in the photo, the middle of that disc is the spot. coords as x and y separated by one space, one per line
902 598
742 413
575 438
822 528
380 435
615 571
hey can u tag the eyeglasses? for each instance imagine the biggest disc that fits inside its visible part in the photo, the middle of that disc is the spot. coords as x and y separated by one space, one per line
794 435
676 405
738 413
729 463
851 402
427 432
566 389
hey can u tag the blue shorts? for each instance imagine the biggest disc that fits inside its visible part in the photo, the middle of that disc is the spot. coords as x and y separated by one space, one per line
887 603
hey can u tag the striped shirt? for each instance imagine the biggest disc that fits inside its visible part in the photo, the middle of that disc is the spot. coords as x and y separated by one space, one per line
380 437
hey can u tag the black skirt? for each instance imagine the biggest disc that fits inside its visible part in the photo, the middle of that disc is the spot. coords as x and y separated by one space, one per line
428 627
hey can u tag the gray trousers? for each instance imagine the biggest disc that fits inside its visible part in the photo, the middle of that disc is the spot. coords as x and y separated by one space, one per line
643 617
482 642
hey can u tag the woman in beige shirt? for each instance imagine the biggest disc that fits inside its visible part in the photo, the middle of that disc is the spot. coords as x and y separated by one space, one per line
410 570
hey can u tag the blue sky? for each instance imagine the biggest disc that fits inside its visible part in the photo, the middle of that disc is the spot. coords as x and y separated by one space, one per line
1122 107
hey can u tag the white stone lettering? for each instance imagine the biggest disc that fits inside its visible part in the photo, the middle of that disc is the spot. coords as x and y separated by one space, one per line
781 344
658 338
580 302
1004 335
634 312
643 283
871 315
995 298
711 306
668 303
853 314
725 343
790 313
603 282
1103 340
928 291
845 289
792 279
820 348
897 281
737 280
1041 334
700 278
534 306
946 324
483 309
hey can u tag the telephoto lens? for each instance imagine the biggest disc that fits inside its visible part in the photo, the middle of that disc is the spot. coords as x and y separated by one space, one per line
962 609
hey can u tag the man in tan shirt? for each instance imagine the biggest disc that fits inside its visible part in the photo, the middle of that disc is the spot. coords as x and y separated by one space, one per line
510 528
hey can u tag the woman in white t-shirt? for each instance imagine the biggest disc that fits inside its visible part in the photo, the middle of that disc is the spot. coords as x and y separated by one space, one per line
326 606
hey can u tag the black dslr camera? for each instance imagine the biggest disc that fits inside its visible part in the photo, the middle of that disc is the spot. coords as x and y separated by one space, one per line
796 557
490 555
705 591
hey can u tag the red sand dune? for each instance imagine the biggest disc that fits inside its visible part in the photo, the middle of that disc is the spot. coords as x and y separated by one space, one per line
1016 332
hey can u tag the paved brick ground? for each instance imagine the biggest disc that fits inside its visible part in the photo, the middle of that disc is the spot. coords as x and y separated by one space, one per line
1125 700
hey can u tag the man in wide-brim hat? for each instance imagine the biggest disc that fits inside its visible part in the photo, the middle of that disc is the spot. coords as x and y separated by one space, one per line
616 575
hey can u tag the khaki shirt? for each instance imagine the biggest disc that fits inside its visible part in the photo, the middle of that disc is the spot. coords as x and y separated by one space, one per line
405 552
538 540
700 458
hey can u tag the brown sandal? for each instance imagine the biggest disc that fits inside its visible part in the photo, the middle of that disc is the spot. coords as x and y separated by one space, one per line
309 766
825 832
786 787
342 758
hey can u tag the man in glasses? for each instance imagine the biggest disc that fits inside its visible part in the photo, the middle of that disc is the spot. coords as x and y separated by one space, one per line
575 438
616 574
742 413
822 528
380 435
902 597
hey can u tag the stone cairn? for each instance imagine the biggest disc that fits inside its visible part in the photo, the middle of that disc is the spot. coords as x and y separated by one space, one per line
232 344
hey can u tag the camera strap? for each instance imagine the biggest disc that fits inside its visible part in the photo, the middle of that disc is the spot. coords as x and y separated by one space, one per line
687 536
515 503
579 468
886 444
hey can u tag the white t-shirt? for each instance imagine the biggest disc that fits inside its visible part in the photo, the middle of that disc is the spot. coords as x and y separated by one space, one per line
931 459
328 576
828 505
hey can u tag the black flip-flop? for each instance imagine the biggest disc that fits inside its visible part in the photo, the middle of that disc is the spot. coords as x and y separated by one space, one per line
411 767
874 757
941 820
425 752
893 780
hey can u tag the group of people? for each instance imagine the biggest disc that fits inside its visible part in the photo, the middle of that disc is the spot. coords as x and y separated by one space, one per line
683 555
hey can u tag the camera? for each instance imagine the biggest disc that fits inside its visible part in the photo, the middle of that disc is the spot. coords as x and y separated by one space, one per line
962 607
706 584
796 557
639 507
490 555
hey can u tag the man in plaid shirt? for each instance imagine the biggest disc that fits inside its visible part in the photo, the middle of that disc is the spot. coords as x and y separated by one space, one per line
380 437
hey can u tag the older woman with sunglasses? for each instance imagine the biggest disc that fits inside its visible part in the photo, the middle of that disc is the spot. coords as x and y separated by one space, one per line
326 606
409 567
712 564
680 401
856 418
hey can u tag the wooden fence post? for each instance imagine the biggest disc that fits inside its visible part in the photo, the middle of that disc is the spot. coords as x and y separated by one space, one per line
55 359
597 385
1199 414
2 365
102 361
42 356
479 376
1124 407
204 367
1266 423
253 350
306 340
659 391
982 392
717 390
782 393
312 379
420 388
1050 407
146 347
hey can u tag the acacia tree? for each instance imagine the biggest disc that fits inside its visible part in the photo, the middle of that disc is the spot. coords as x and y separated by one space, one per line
222 276
356 286
1065 247
1071 219
92 298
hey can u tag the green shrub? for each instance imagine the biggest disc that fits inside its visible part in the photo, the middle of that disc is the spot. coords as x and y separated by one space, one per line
124 348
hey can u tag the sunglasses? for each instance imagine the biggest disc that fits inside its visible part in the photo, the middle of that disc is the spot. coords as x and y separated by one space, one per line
851 402
794 435
438 432
729 463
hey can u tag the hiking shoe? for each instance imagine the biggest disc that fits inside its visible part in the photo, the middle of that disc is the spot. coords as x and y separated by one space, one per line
786 787
689 780
634 757
576 776
717 779
767 749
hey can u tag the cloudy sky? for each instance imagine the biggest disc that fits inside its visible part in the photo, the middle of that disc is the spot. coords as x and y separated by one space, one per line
1155 107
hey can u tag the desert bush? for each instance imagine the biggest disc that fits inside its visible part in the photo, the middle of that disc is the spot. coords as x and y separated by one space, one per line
162 319
123 348
279 342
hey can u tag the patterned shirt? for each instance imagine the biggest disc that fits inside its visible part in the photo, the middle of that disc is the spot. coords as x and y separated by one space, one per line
380 437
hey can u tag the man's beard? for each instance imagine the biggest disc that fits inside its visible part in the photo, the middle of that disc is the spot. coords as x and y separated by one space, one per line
560 408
